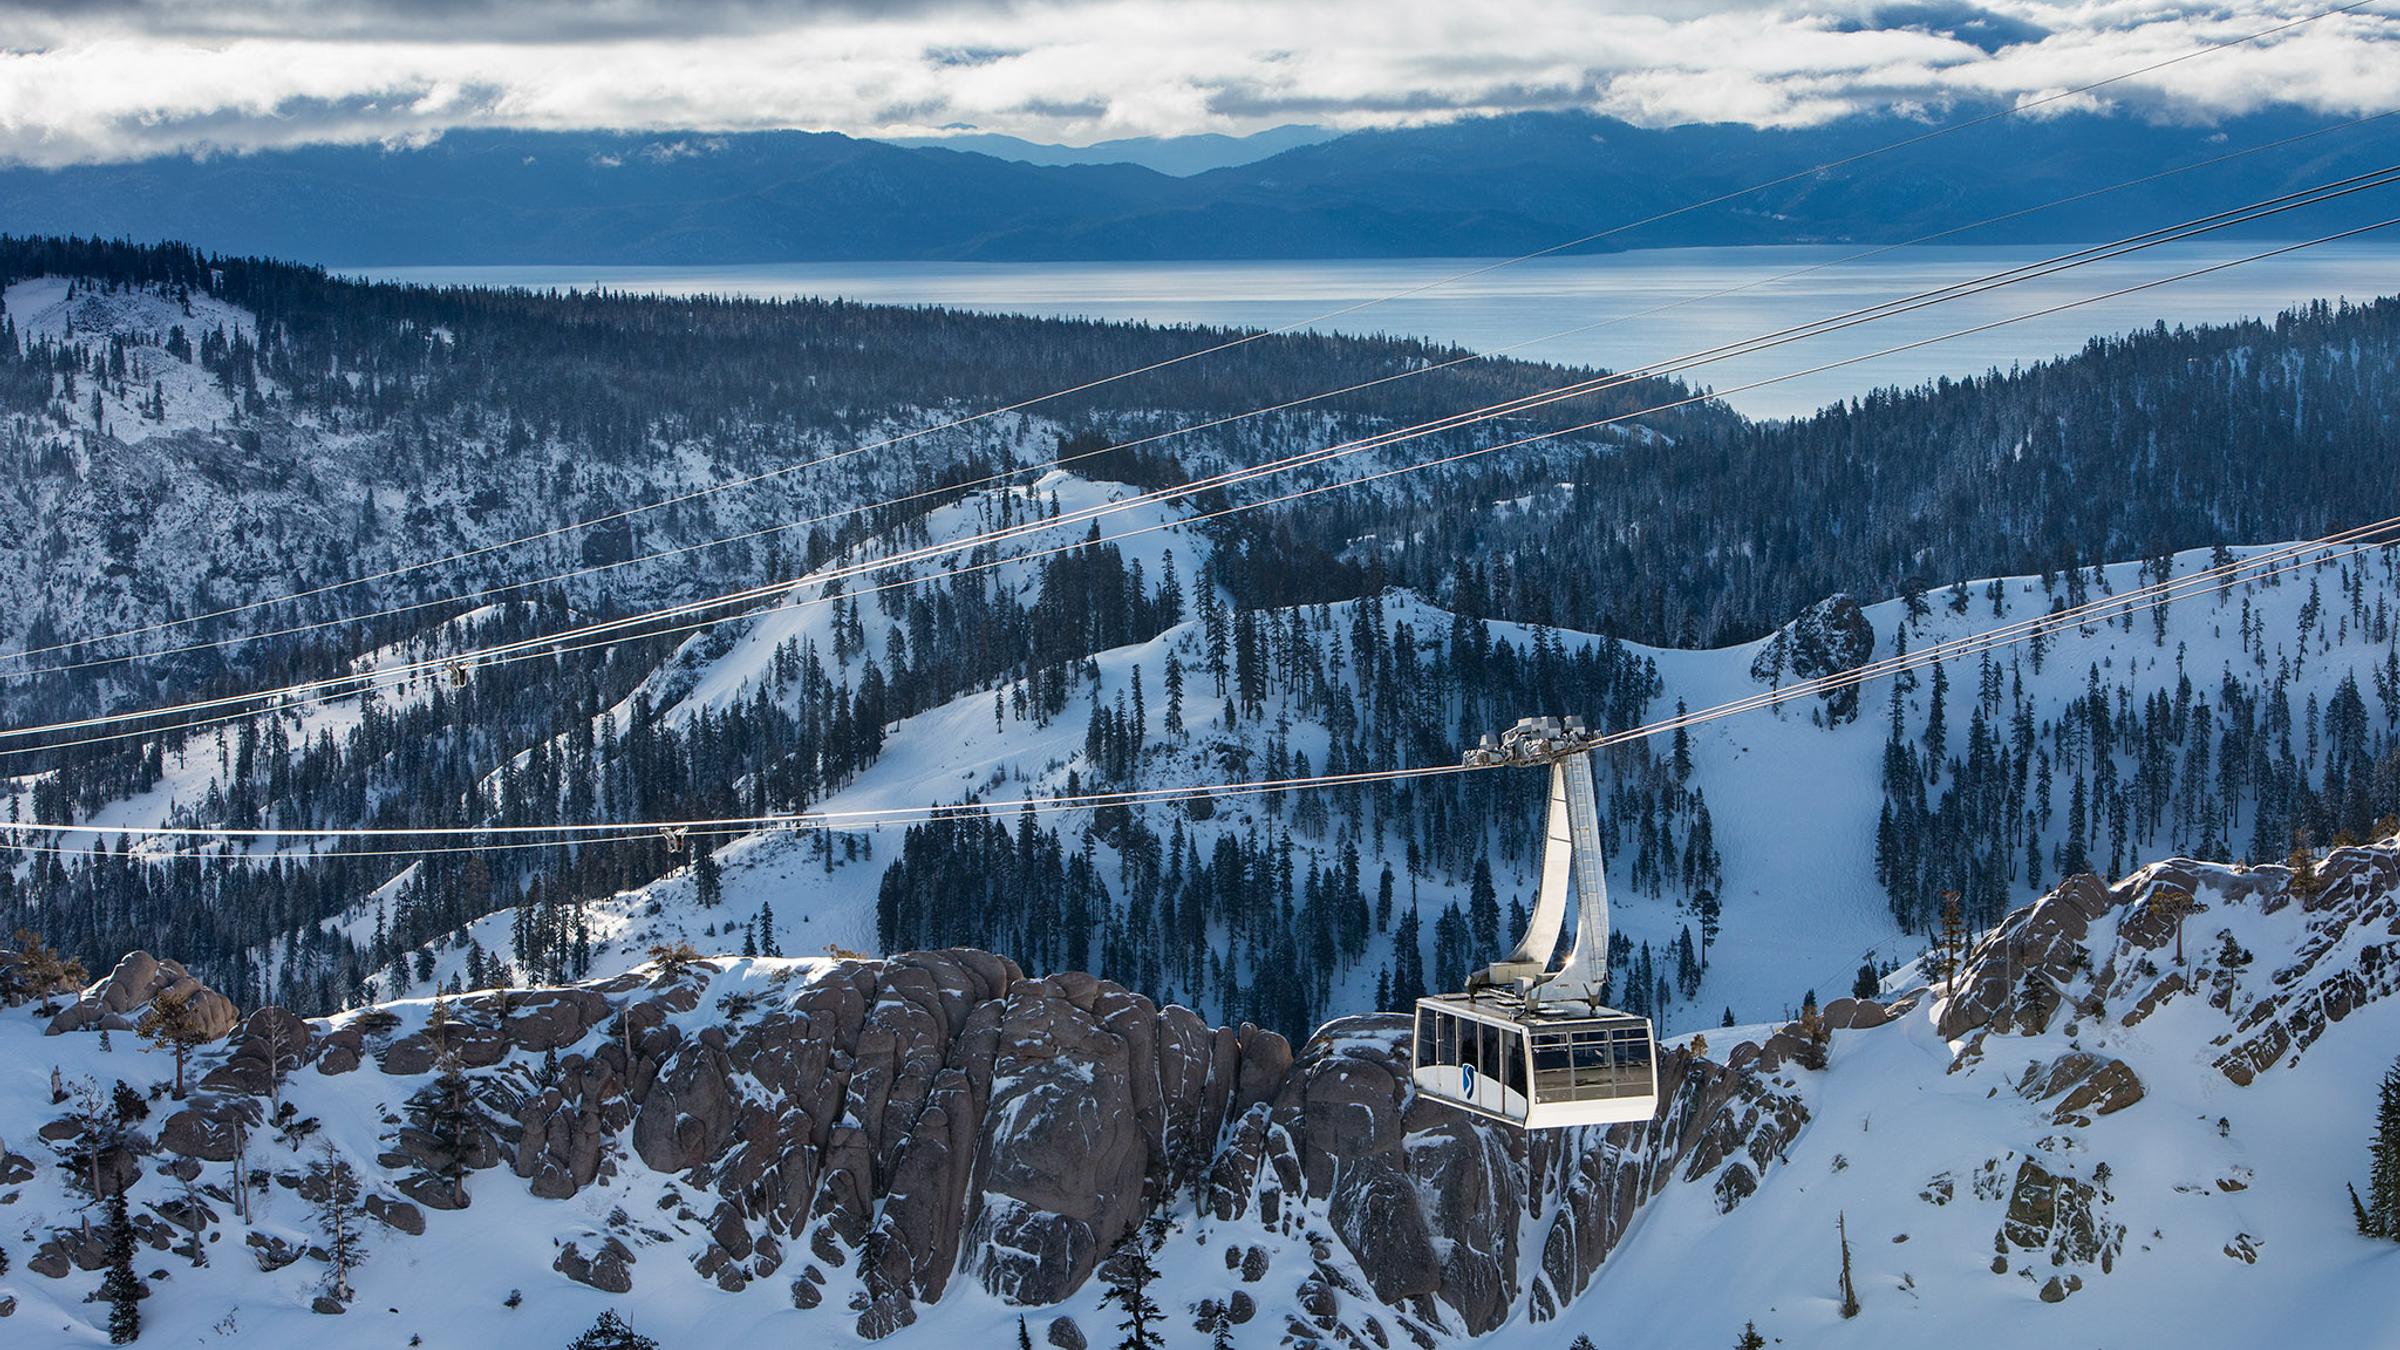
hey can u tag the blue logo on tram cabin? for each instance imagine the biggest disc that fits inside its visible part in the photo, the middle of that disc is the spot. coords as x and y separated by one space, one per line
1466 1081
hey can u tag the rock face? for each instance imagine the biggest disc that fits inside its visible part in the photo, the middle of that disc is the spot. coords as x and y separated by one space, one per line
2016 975
2088 950
2086 1085
940 1116
1123 1095
1832 634
889 1128
116 1003
2059 1217
2337 973
933 1115
1432 1204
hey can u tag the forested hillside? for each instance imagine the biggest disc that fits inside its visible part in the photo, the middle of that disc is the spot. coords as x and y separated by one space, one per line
187 435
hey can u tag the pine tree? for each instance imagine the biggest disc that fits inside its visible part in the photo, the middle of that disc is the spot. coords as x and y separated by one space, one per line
1750 1339
101 1126
1954 929
1483 910
1815 1037
2176 903
2074 856
1408 962
444 1111
1937 722
39 972
1849 1290
1133 1271
171 1024
708 877
2381 1217
283 1046
128 1104
119 1288
612 1333
336 1205
2303 862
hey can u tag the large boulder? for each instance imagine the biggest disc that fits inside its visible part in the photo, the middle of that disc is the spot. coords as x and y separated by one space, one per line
117 1002
2061 1216
209 1127
607 1268
272 1043
1831 635
545 1019
1855 1014
2086 1085
398 1215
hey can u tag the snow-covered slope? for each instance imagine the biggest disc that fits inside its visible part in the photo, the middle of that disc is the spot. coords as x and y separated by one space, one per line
297 492
1793 797
161 389
2080 1139
2172 1163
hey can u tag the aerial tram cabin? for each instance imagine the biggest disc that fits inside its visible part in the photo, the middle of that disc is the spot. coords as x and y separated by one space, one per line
1525 1044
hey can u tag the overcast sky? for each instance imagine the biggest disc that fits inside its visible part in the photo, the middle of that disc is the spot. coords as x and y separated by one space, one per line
85 80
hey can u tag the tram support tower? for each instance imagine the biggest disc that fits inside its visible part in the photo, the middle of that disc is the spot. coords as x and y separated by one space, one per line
1523 1043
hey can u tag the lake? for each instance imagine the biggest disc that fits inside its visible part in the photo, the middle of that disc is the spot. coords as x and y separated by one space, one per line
1613 310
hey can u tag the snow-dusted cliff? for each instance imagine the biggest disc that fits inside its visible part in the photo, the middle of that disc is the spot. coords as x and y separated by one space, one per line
2127 1115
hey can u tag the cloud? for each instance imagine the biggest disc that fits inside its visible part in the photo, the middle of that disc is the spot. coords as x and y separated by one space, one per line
527 21
96 80
1987 30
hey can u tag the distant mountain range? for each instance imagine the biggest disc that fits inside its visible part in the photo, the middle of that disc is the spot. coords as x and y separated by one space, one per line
1479 187
1180 156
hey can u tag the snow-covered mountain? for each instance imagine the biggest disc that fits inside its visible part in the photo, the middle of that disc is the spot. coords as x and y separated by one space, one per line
2173 728
1793 797
826 1122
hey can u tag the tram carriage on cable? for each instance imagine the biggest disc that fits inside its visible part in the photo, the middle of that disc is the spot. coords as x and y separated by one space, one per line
1523 1043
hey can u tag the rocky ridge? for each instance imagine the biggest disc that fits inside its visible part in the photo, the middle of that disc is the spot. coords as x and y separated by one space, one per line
865 1136
910 1122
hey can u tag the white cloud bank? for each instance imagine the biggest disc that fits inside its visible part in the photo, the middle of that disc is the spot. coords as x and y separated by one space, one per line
97 80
